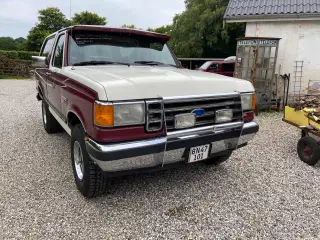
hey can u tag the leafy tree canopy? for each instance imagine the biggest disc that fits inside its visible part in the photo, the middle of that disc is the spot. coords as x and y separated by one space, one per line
8 43
52 19
88 18
199 31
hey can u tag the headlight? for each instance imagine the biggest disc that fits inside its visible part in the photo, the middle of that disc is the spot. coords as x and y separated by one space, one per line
119 114
248 101
224 115
129 114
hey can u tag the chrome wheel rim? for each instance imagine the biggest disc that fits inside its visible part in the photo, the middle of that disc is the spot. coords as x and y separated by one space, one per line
78 159
44 115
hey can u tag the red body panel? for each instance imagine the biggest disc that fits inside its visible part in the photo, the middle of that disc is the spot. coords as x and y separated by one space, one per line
219 69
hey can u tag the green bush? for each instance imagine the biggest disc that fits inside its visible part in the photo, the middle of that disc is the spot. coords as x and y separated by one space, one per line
22 55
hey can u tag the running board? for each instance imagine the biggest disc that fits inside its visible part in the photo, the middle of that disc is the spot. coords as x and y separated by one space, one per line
60 121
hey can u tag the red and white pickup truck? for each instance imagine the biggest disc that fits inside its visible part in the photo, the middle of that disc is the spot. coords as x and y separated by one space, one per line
128 105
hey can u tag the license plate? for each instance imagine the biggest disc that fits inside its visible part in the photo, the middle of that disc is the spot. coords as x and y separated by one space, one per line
198 153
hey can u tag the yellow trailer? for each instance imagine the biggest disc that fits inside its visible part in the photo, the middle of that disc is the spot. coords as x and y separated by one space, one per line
308 147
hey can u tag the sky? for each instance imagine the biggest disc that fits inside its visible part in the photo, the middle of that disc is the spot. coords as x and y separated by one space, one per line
17 17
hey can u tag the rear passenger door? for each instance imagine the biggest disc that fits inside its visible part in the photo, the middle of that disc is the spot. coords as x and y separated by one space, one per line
227 69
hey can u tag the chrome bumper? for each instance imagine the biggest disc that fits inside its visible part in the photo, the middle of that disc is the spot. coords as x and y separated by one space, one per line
152 153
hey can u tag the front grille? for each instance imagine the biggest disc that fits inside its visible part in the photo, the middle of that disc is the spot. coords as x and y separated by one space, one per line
210 105
154 115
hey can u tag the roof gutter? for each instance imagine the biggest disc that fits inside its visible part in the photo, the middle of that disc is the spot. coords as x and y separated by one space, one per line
273 18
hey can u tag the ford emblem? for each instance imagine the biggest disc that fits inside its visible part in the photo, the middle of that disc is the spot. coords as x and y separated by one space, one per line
198 112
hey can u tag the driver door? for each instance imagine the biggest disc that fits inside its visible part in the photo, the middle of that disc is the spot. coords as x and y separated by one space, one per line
54 76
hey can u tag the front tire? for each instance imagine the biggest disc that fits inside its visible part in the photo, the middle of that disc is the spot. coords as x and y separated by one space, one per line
89 178
50 124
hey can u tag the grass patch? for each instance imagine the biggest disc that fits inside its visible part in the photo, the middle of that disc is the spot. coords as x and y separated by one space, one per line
11 77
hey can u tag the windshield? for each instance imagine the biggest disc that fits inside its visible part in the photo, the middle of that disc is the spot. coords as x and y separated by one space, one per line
205 65
96 47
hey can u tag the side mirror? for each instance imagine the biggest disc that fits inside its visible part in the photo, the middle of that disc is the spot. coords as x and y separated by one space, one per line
39 61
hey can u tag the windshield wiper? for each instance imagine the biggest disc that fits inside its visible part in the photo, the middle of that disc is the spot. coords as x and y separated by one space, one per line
99 63
154 63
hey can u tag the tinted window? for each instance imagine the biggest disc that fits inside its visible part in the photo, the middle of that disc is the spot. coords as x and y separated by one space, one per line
227 67
58 53
47 47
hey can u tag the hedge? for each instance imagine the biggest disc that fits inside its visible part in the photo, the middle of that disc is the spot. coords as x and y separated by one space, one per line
22 55
15 67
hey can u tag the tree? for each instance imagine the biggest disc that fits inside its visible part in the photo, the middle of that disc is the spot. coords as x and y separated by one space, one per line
88 18
132 26
7 43
20 43
50 20
167 29
199 30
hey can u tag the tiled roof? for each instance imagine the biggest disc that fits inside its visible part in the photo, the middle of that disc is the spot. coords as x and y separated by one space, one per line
243 9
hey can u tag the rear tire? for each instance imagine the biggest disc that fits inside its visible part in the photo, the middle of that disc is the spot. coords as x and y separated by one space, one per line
89 178
217 160
308 150
50 124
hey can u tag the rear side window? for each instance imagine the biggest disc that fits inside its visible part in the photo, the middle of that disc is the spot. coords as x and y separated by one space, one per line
47 47
227 67
58 53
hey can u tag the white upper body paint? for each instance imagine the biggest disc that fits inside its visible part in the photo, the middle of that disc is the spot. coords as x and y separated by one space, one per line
120 82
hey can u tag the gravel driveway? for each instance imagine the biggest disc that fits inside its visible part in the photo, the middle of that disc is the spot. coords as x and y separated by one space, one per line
263 191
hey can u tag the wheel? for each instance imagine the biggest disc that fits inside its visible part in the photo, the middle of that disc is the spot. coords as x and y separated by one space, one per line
50 124
217 160
89 178
308 150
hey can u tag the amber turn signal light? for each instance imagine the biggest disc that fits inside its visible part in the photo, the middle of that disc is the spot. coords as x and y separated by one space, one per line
254 101
103 115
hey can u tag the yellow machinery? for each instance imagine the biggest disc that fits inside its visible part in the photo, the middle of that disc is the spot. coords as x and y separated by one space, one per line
308 147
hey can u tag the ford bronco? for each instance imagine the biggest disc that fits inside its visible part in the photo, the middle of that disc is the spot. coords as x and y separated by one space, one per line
129 105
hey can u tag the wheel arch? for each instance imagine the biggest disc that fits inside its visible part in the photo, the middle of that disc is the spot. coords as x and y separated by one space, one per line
74 118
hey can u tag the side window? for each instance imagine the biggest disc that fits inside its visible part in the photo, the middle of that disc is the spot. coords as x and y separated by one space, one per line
214 66
47 47
58 52
227 67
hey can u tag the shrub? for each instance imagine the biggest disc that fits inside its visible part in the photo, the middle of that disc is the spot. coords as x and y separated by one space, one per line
15 67
22 55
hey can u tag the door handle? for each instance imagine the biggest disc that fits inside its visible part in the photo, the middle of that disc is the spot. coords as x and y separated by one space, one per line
48 73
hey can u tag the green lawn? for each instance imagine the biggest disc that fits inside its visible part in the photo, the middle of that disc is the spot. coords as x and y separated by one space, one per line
11 77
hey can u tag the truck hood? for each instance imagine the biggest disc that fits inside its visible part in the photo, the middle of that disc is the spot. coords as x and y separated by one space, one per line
142 82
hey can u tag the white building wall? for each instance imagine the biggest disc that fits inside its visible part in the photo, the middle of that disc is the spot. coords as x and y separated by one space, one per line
300 41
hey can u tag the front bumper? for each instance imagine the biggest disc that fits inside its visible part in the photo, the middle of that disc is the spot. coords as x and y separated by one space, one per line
173 148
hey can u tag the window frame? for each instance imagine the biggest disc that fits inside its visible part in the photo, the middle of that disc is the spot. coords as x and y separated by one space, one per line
44 46
55 47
